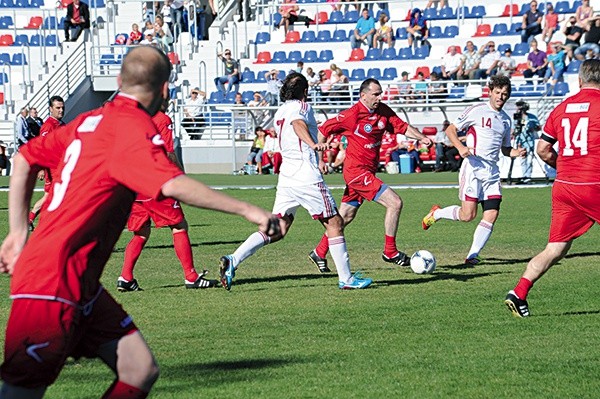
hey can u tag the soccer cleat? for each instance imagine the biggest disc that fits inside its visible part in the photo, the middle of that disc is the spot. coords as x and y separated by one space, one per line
227 271
400 259
476 260
31 227
356 282
201 282
517 306
320 263
429 220
127 286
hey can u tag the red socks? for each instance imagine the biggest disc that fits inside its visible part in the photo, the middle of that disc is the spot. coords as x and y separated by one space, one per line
522 288
132 253
32 216
120 390
390 250
183 249
323 247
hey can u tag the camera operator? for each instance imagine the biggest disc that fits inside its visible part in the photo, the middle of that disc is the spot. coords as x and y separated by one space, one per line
526 126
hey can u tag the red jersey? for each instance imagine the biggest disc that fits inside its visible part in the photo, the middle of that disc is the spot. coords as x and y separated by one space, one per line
364 130
575 124
164 124
103 158
49 125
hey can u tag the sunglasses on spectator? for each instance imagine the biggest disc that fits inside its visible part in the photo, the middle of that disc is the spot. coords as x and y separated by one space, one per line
227 53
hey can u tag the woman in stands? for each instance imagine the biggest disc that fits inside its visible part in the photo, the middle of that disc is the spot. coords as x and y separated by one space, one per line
583 13
384 32
417 28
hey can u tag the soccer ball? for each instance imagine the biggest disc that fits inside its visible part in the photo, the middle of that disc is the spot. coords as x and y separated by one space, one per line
422 262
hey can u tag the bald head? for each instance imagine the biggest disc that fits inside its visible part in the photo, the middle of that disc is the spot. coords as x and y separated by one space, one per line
145 70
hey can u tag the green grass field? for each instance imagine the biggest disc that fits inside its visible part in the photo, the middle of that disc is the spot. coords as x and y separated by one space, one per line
285 331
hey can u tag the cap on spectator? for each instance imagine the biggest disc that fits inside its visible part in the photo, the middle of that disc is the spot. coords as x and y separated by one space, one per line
404 73
508 50
196 90
148 32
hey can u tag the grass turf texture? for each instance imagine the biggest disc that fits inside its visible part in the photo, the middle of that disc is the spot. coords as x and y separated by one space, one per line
285 331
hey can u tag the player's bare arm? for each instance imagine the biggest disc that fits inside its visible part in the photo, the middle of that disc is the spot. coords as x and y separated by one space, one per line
414 133
325 140
301 130
195 193
518 152
19 198
546 152
452 133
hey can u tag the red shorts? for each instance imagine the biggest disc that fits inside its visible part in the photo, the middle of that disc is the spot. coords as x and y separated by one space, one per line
47 180
163 213
365 186
41 334
575 208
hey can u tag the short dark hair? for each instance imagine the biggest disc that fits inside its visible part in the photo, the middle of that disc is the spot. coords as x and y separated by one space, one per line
589 72
364 86
294 87
499 81
54 99
434 75
258 129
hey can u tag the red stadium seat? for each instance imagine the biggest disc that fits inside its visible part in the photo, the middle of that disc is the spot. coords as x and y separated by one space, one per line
64 3
321 18
174 58
292 36
264 57
507 8
35 22
6 40
429 130
520 68
328 73
425 70
458 49
357 54
391 93
1 98
483 30
485 92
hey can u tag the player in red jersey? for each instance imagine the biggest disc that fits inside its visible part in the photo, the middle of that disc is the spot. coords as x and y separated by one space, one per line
575 125
57 111
103 158
364 125
166 212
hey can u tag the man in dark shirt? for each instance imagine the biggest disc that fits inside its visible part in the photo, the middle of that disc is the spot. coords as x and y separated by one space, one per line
591 40
537 62
573 34
78 19
232 76
34 122
532 23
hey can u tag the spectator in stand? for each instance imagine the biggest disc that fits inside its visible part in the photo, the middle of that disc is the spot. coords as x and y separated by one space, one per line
532 23
364 31
177 7
273 86
22 129
384 32
339 91
420 87
232 73
445 152
556 66
550 23
271 157
405 89
193 120
451 64
507 65
573 34
489 61
299 67
289 15
162 32
335 154
78 19
313 84
356 5
4 162
537 62
149 39
324 87
438 89
434 4
584 13
470 61
417 28
257 100
173 86
135 37
591 40
256 152
165 11
34 122
407 147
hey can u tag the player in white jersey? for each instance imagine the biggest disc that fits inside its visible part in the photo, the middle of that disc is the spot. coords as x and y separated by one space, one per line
488 133
300 184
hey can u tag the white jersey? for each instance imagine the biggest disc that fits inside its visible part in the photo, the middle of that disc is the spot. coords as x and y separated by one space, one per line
300 166
488 130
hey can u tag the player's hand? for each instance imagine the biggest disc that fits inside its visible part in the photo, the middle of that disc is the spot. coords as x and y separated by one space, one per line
323 167
427 141
41 175
10 250
518 152
465 152
320 146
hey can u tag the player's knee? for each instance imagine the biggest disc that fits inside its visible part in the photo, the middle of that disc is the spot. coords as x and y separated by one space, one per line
467 215
142 374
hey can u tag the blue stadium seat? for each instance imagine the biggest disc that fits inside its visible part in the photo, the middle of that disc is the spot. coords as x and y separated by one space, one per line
456 92
421 53
51 40
381 11
7 3
351 16
18 59
513 28
6 22
36 3
464 12
96 3
248 76
324 36
216 97
262 37
575 5
561 89
230 97
260 77
275 19
310 56
389 54
340 36
451 31
374 73
22 3
405 53
325 56
502 48
401 34
500 29
279 57
247 96
294 56
373 54
21 40
573 66
108 59
50 22
562 7
282 74
4 59
435 32
478 12
437 69
35 40
430 13
345 72
526 90
524 8
336 17
308 36
358 75
390 73
521 49
446 13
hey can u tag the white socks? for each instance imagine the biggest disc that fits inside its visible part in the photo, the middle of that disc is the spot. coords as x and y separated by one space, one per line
249 247
482 235
339 253
449 212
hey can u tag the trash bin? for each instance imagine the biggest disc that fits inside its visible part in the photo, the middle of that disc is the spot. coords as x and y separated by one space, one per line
406 165
392 168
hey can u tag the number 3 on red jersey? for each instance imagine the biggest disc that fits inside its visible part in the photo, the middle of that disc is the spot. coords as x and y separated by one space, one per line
578 138
60 188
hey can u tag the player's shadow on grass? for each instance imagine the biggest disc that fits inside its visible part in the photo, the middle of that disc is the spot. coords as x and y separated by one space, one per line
272 279
571 313
501 261
437 276
194 245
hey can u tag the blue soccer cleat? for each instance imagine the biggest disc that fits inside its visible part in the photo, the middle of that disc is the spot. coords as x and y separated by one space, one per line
356 282
227 271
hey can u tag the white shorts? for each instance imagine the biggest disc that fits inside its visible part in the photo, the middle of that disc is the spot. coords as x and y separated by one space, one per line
479 180
315 198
